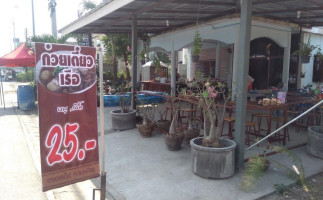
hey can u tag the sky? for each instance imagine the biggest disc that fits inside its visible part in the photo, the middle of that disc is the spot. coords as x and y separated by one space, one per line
16 17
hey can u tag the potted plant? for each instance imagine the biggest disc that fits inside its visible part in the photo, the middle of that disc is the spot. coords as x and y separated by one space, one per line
162 124
197 46
318 57
319 54
305 50
258 164
174 138
315 136
190 132
147 126
123 118
213 157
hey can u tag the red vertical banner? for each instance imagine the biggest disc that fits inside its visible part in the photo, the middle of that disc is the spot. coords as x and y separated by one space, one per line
67 85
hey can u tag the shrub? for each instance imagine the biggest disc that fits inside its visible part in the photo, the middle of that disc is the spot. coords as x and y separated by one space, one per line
26 76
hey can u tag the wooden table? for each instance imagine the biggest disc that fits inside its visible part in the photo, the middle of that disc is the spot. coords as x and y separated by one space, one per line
271 108
156 86
251 105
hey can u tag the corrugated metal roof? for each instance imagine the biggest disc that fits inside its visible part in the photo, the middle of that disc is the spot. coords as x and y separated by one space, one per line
153 14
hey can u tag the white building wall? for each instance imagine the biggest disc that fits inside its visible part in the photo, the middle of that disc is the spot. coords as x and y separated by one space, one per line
316 39
226 31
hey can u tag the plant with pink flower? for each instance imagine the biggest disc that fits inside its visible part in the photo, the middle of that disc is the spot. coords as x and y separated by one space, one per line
213 99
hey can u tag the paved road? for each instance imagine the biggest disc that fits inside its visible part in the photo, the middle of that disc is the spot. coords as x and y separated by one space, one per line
25 165
19 178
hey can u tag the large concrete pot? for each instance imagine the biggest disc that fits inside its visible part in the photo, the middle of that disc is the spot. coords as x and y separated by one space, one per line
123 121
315 141
209 162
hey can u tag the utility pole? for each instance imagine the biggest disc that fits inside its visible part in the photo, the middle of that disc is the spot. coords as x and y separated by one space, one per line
15 40
32 15
51 6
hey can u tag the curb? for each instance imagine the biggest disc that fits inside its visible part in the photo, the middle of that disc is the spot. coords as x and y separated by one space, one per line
49 194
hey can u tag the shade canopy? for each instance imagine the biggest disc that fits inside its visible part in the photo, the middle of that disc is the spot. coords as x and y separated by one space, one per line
22 56
160 16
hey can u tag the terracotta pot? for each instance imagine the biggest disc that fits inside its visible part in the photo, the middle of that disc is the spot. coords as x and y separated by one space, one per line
174 141
162 126
190 134
146 130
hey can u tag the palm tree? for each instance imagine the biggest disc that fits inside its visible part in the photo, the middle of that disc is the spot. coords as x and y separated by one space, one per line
86 6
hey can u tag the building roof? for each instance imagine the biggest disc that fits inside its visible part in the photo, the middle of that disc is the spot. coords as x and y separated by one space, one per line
159 16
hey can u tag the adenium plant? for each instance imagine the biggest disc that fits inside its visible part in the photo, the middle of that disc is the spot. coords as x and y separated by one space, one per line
213 107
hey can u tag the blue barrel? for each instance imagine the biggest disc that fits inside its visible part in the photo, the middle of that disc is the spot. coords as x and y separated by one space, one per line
26 97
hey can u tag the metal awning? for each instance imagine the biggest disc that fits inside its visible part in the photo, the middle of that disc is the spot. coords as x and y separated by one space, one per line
159 16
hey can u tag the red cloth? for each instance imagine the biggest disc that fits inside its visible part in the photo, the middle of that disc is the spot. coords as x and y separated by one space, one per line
22 56
250 86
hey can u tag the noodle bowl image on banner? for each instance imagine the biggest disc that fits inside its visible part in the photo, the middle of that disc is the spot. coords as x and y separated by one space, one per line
66 82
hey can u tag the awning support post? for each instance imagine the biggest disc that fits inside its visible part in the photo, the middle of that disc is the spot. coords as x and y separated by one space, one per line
102 153
134 38
242 80
173 71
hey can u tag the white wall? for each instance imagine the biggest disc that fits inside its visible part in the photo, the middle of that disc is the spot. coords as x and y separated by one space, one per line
226 31
316 39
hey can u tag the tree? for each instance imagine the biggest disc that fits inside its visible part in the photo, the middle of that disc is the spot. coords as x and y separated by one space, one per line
117 47
49 38
164 57
86 6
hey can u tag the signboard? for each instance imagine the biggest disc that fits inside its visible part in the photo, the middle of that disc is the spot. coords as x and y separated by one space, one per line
66 80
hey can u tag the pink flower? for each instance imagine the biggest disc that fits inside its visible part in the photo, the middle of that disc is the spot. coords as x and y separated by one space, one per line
212 94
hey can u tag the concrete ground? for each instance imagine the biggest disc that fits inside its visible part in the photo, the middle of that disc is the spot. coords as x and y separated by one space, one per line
143 168
19 177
